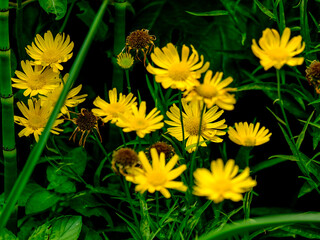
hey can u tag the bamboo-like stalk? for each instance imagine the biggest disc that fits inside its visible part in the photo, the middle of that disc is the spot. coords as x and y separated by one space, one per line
37 150
8 134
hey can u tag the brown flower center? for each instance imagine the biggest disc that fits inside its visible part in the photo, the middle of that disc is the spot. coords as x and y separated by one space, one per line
86 120
139 39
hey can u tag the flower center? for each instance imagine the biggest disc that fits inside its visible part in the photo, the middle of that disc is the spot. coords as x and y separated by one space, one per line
37 121
278 54
157 178
221 185
249 141
50 56
140 123
86 121
191 125
115 108
206 91
36 81
179 72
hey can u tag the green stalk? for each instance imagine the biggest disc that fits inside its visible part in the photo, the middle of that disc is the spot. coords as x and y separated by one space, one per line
19 31
8 134
117 74
119 42
239 227
37 150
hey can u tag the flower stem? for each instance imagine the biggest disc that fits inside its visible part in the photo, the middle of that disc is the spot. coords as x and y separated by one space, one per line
119 42
182 126
193 159
128 80
37 150
126 189
8 133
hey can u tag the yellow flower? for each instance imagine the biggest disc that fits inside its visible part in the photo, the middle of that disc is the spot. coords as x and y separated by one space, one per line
110 111
49 51
159 176
210 130
35 119
213 91
248 135
175 72
71 100
222 183
35 80
275 51
125 60
139 122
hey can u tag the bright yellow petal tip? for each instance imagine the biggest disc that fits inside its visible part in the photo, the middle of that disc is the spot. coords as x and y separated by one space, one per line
175 71
210 130
275 51
221 182
248 135
157 176
49 51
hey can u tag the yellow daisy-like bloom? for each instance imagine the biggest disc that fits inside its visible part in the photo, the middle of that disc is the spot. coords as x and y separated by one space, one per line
110 111
35 80
72 100
222 183
49 51
159 176
210 130
248 135
125 60
275 51
35 119
213 91
175 72
139 122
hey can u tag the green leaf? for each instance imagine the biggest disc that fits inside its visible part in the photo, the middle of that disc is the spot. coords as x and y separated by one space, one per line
57 7
88 206
90 234
5 234
77 160
265 10
40 201
258 223
58 181
303 231
302 134
27 192
211 13
307 187
63 228
268 163
66 228
87 15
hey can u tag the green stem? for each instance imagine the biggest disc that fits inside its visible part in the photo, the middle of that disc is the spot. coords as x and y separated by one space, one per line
126 189
8 133
37 150
66 18
182 126
128 80
193 159
119 42
281 78
238 227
